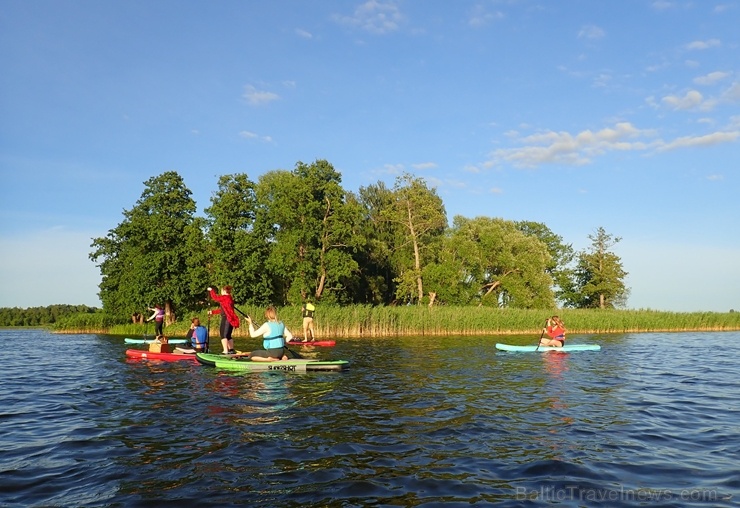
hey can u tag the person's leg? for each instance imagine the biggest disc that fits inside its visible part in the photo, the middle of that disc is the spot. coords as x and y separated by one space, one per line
223 331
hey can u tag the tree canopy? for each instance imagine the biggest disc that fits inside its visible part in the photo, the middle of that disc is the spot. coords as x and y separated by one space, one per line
298 234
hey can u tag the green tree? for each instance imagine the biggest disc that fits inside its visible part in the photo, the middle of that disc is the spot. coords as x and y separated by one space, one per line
238 246
562 255
376 284
147 258
420 219
496 264
313 232
599 276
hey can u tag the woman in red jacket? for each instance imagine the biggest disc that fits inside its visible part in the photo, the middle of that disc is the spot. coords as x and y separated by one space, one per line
556 330
229 319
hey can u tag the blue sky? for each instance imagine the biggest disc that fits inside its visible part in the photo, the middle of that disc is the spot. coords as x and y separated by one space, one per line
576 113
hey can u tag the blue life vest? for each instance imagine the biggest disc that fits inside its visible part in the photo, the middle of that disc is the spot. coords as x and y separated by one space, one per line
274 338
200 337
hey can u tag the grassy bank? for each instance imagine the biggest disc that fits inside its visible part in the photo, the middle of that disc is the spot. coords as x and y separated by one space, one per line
367 321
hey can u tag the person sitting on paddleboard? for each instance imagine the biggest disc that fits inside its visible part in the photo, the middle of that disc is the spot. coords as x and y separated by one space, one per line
274 334
229 319
198 336
556 330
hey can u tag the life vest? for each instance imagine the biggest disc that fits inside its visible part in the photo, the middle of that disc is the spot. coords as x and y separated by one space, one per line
274 338
309 309
200 337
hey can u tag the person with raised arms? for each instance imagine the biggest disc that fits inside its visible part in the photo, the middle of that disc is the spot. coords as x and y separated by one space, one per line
229 319
274 333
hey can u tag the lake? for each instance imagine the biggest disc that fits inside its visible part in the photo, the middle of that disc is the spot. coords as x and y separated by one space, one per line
652 419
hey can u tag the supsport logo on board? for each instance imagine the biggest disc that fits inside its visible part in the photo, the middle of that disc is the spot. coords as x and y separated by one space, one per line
289 368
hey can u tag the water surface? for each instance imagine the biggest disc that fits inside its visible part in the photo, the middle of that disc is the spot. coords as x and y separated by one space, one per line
650 420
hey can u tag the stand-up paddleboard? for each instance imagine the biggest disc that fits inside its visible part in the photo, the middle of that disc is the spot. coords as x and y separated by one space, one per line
568 348
166 357
210 358
294 365
151 341
318 343
243 363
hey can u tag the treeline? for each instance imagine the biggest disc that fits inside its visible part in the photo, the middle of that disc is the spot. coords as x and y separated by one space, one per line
298 235
42 316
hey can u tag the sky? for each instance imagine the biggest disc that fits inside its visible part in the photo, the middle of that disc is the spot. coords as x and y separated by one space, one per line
578 114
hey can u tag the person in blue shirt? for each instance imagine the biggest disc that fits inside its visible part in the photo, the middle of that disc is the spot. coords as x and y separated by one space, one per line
274 334
198 335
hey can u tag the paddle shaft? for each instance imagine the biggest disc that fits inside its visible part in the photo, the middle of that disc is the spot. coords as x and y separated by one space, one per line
285 342
541 335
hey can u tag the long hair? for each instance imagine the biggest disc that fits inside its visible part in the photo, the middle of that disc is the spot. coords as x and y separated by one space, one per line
271 313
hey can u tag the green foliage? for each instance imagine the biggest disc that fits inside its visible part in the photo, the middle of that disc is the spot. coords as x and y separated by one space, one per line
238 248
599 276
419 219
147 259
298 234
43 316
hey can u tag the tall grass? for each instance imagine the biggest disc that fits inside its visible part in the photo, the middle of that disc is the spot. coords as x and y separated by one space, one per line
369 321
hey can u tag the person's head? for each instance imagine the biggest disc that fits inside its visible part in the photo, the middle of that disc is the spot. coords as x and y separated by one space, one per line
271 313
556 320
226 290
196 321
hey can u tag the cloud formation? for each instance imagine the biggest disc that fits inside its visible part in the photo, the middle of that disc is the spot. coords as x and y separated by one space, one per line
258 97
564 148
373 16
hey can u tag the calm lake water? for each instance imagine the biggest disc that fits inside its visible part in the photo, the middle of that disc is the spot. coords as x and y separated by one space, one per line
650 420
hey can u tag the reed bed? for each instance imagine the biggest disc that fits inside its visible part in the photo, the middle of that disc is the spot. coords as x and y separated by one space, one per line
364 321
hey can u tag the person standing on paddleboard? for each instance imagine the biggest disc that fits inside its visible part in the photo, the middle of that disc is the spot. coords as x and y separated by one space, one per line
307 312
275 334
158 317
556 330
229 319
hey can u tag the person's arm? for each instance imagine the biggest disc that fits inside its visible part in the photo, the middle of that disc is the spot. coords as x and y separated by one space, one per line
153 315
259 332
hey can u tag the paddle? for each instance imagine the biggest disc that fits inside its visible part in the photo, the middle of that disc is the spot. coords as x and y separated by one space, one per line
285 343
208 334
541 335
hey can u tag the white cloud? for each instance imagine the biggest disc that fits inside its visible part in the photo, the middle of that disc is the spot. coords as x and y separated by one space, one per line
374 16
591 32
711 78
692 100
552 147
255 136
303 33
732 94
257 97
424 165
699 45
714 138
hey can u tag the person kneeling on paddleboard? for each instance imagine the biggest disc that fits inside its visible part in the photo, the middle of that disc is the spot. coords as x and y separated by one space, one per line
274 334
198 336
555 328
